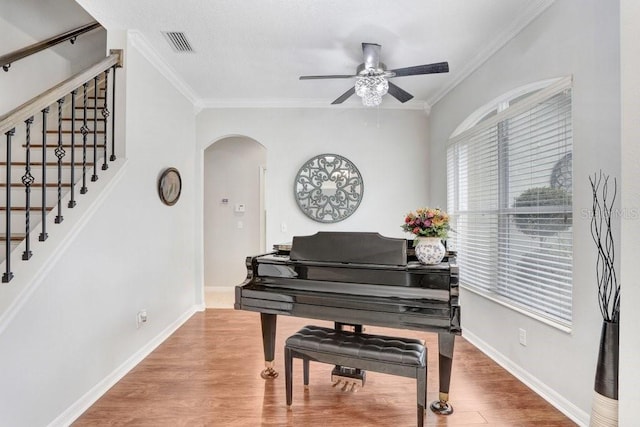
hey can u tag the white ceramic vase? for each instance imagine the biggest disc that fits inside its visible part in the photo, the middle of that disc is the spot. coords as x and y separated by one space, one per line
429 250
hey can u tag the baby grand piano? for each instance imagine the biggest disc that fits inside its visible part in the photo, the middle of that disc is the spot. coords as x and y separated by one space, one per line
355 278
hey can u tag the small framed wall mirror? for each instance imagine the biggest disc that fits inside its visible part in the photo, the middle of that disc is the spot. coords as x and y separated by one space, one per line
169 186
328 188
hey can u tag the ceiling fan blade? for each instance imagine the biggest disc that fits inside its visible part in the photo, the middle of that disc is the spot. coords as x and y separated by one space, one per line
344 96
438 67
399 94
332 76
371 54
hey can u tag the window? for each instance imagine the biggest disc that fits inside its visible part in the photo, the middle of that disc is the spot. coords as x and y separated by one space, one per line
509 178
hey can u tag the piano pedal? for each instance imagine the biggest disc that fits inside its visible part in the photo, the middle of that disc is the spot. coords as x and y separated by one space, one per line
348 379
348 385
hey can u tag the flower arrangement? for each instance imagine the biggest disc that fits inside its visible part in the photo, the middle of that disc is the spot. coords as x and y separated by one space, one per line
427 222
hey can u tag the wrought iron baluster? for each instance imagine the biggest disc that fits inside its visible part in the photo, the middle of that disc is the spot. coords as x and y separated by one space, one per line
43 234
85 131
94 177
27 180
59 154
113 119
72 201
8 275
105 116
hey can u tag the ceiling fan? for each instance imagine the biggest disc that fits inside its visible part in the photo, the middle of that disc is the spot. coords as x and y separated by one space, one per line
372 77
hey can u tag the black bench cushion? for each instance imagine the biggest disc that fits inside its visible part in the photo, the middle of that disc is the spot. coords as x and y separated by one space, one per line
403 351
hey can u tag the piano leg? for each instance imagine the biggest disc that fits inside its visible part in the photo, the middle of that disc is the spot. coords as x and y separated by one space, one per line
445 361
268 322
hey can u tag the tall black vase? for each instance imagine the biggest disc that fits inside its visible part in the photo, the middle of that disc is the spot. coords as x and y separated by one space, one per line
605 402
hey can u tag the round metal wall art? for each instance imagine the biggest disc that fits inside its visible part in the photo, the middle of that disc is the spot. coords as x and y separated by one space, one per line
328 188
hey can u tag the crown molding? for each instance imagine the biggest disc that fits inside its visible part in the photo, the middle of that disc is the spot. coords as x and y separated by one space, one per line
144 47
531 12
139 41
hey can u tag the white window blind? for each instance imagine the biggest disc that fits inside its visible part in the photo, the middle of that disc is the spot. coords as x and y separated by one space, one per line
509 195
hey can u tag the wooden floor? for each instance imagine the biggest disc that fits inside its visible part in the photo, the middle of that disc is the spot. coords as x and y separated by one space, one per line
207 374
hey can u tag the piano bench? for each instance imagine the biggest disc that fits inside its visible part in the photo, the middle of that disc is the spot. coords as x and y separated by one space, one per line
390 355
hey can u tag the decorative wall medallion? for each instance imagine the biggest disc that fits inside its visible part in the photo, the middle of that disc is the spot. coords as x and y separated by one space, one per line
328 188
561 173
169 186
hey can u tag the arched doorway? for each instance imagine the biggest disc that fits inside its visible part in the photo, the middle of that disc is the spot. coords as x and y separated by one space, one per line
234 214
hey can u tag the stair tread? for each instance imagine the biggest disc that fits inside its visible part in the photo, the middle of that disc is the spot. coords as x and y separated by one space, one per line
66 132
14 237
53 163
78 119
66 145
36 185
24 208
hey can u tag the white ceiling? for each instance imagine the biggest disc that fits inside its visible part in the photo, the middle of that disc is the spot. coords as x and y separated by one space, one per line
251 52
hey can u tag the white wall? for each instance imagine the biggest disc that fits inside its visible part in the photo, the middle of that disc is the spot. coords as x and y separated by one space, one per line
232 172
572 37
630 197
389 148
25 22
32 69
77 330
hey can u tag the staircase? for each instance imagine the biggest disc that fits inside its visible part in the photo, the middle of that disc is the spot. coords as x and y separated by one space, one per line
54 147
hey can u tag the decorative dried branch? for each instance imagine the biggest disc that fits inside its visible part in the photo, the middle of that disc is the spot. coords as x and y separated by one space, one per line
601 213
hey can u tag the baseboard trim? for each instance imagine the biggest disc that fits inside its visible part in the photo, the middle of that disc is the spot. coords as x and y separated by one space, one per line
576 414
81 405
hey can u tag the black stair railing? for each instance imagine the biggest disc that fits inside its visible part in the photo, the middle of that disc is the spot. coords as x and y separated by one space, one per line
72 191
105 117
85 131
8 275
19 124
59 152
27 180
113 123
94 177
43 210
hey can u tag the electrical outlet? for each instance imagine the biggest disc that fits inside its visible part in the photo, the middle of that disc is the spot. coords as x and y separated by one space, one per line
523 336
141 318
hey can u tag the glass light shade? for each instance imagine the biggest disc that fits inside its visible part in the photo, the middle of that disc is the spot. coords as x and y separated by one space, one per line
371 89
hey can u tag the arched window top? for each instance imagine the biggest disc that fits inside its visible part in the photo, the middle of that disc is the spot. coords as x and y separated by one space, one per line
501 103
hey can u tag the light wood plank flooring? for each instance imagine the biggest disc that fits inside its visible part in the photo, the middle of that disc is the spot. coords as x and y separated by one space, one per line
208 374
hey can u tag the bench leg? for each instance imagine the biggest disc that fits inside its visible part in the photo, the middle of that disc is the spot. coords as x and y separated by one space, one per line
288 374
305 370
421 384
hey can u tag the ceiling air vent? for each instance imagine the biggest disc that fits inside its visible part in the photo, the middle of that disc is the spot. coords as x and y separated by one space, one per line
178 41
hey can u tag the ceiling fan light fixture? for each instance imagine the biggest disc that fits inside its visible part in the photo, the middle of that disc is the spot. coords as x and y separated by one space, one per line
371 88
